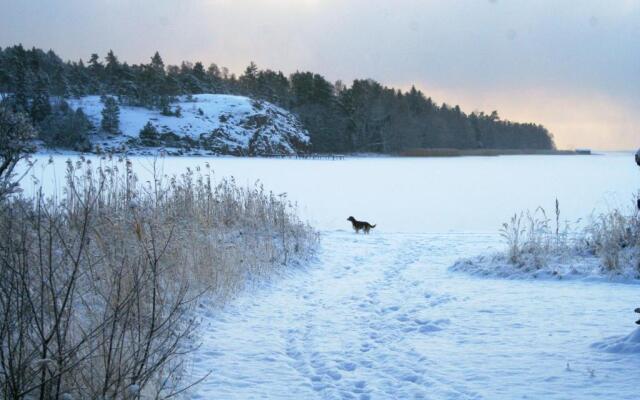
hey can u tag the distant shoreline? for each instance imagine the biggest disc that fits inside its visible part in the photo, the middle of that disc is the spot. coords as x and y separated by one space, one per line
418 153
489 152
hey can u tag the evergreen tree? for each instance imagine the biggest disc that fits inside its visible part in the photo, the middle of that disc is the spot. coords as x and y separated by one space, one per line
112 72
110 115
20 86
157 64
40 105
153 89
198 72
249 78
149 134
66 128
94 64
95 74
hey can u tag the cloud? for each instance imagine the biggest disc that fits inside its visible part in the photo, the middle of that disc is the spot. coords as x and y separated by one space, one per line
573 55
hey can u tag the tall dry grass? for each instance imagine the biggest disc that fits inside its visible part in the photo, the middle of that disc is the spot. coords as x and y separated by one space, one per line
532 238
98 287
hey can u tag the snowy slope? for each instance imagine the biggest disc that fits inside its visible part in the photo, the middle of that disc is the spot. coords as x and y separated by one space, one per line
219 123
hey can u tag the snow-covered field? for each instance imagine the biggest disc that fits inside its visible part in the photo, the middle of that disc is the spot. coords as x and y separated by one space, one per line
382 316
379 317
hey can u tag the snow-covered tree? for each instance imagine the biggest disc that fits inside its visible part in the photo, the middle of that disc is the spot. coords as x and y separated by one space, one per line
110 115
16 134
149 132
66 128
40 105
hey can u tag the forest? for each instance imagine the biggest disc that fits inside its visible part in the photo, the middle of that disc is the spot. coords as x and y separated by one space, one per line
363 117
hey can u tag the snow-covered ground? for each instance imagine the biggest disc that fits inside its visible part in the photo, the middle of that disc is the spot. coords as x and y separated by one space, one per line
383 316
574 264
380 317
224 123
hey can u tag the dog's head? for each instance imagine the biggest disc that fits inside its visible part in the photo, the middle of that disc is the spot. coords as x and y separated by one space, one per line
351 219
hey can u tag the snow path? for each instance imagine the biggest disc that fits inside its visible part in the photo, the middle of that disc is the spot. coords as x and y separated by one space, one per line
380 316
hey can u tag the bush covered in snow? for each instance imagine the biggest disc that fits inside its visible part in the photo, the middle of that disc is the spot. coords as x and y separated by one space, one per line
98 287
536 246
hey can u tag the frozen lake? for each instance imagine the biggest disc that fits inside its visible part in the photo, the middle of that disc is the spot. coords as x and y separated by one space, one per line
417 195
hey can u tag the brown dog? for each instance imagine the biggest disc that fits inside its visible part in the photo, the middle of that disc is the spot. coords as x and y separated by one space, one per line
357 225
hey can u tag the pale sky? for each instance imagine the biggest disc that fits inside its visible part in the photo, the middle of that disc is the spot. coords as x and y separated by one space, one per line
573 66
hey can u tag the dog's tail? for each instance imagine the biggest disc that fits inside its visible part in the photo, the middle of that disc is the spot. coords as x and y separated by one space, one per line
373 226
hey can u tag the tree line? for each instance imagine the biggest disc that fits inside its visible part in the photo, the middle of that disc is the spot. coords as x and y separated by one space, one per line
362 117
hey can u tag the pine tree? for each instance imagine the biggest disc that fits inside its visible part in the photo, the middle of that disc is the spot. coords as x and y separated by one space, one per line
112 71
66 128
110 115
112 63
94 62
79 129
148 134
249 78
157 64
40 105
59 83
21 87
96 73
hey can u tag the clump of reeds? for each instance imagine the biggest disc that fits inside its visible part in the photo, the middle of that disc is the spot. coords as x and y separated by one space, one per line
98 287
532 238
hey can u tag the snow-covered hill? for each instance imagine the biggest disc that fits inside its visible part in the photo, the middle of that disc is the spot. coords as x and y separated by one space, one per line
215 123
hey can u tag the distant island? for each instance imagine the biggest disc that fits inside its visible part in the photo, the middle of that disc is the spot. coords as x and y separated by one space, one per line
102 103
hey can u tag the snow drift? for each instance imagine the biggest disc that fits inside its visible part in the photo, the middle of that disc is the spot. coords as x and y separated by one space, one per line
219 124
575 265
621 344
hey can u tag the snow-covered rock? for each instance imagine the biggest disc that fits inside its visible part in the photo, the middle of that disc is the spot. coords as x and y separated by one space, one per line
222 124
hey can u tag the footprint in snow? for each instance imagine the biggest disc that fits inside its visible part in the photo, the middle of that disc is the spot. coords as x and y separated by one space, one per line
366 347
347 366
429 329
335 375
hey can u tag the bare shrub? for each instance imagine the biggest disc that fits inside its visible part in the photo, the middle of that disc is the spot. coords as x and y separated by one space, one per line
98 288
